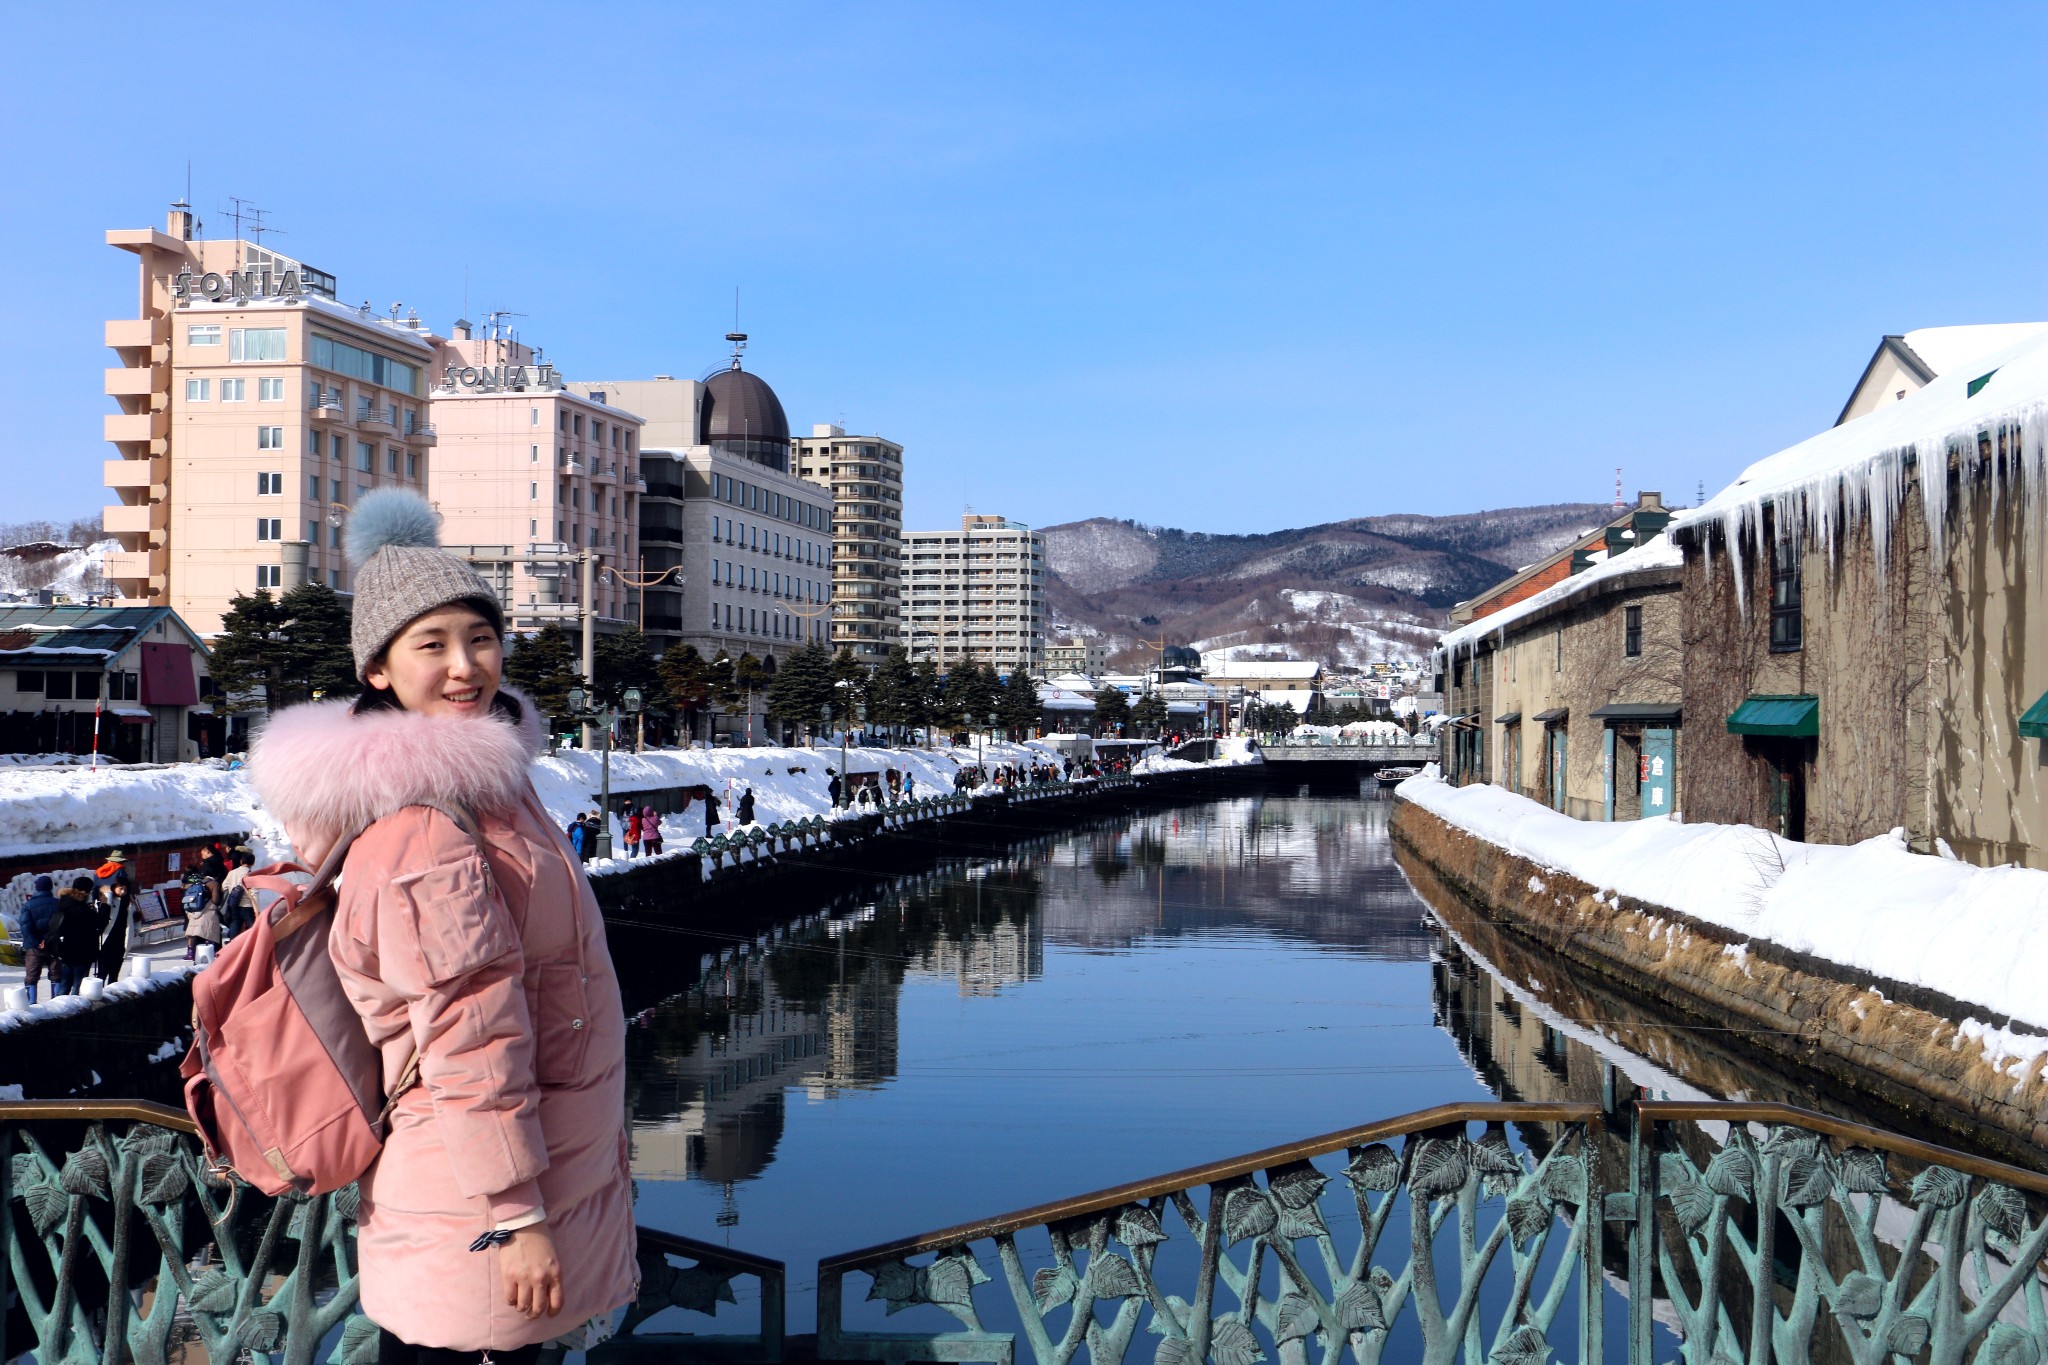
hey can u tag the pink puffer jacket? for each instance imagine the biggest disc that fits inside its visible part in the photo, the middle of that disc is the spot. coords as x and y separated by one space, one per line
495 966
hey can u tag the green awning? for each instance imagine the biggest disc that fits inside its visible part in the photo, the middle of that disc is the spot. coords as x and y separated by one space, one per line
2034 720
1795 717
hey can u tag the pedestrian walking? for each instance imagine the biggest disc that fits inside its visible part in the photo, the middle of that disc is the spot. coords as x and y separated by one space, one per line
650 831
201 904
710 813
114 884
237 912
498 1216
78 936
910 786
39 916
746 806
832 786
631 820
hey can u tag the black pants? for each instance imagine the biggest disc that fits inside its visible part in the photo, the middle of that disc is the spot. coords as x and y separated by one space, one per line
392 1351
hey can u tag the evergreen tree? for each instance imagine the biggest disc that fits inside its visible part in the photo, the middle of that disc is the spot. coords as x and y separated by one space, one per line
1112 710
545 665
685 681
924 701
248 661
623 660
1149 715
971 692
803 687
1018 705
318 660
892 691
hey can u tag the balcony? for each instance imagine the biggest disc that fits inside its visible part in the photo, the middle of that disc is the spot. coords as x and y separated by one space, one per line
138 520
133 473
146 567
378 420
136 426
134 381
137 334
327 410
423 435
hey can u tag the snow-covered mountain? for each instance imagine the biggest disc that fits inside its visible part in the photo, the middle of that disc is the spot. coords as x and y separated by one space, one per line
68 570
1348 592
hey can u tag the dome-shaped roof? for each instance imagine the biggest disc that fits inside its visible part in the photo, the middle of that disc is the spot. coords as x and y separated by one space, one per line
738 406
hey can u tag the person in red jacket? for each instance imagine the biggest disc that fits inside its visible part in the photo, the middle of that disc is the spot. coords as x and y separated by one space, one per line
499 1215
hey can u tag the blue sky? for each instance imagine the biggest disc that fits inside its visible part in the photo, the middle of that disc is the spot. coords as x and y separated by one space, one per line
1225 267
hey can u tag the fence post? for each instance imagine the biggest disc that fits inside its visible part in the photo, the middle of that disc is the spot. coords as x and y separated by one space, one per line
1642 1179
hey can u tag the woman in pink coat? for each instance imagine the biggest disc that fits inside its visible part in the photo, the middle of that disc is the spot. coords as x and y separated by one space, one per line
499 1215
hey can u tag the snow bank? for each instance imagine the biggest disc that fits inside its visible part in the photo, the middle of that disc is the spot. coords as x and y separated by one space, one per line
1231 751
73 807
1976 934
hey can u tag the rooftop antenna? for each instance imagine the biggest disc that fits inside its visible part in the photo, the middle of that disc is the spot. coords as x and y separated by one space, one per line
1702 500
1617 488
736 336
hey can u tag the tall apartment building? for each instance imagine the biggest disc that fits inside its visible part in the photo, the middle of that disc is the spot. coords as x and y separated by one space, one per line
752 542
254 409
1076 655
978 593
865 474
524 460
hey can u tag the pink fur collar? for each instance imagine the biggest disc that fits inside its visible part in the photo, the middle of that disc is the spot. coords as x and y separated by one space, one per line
323 772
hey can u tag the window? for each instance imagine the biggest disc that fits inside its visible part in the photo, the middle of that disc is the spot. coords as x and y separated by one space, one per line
269 575
533 420
391 459
412 465
271 485
203 334
533 492
1786 625
57 686
533 454
269 390
353 361
312 488
257 343
234 390
577 424
334 579
270 438
31 679
198 390
339 449
1632 632
313 444
334 485
269 528
533 526
312 531
366 457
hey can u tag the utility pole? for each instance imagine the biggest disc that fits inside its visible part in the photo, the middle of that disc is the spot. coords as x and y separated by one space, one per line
589 606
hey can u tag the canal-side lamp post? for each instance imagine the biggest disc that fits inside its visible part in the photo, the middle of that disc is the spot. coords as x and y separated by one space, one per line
580 704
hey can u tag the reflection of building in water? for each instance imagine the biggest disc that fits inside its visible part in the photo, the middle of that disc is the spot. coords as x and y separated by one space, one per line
1321 871
1005 953
709 1106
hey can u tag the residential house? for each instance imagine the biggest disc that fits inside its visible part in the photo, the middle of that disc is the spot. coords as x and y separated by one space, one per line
137 678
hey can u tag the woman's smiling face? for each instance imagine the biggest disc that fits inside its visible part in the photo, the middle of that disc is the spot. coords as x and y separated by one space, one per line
445 663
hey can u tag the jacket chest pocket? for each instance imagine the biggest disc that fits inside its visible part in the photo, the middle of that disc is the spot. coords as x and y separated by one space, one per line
561 1024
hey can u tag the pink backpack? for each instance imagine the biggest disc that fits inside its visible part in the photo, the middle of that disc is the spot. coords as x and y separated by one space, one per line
284 1085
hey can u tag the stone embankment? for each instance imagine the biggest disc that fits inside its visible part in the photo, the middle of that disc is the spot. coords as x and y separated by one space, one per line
1912 1050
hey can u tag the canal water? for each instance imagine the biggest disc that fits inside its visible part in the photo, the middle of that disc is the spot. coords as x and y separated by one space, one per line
1089 1008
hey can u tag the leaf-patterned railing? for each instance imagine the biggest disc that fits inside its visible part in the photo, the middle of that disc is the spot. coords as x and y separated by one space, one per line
118 1248
1274 1256
1796 1236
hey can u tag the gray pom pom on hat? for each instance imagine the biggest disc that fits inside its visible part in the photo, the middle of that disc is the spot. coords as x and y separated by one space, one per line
402 573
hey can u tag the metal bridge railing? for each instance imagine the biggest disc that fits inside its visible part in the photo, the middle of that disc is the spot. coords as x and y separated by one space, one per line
117 1247
1741 1234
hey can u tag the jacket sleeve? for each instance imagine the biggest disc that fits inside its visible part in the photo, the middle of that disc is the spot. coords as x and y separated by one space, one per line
447 944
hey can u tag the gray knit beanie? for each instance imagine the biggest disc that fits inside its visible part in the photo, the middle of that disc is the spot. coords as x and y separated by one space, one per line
402 573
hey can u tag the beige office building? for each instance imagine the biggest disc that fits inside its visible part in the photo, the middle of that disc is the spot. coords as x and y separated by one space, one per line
865 474
525 461
977 593
253 408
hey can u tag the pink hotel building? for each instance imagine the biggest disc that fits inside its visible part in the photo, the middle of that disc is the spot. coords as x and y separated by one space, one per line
255 409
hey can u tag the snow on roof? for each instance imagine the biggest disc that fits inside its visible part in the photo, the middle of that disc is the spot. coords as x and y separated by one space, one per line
1857 471
1953 348
1655 553
1061 699
1264 668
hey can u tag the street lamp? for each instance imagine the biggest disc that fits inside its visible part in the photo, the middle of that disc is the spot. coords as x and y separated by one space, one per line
580 704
